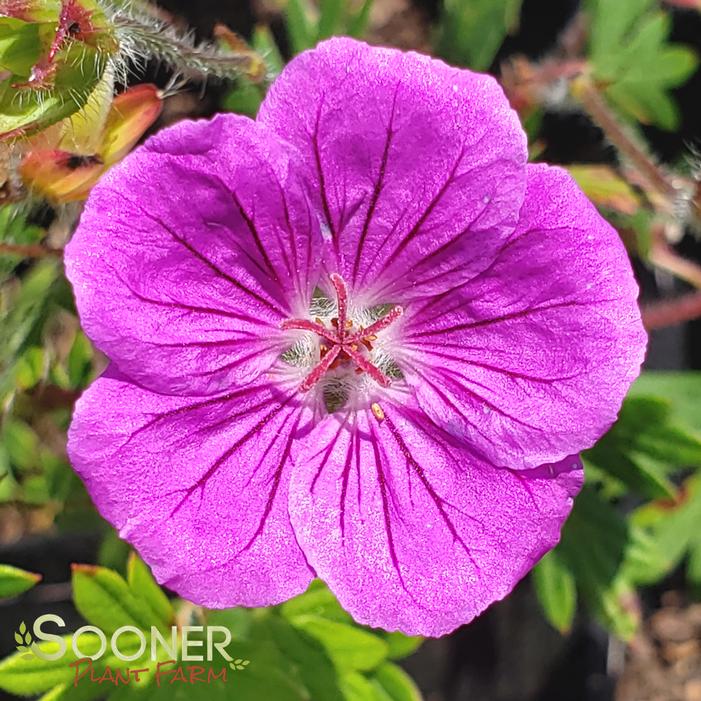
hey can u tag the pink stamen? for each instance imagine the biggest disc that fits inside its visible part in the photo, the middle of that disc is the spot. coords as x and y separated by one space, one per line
364 364
342 297
380 324
305 325
343 343
320 370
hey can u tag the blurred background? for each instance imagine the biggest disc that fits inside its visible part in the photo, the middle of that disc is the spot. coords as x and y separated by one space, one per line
608 88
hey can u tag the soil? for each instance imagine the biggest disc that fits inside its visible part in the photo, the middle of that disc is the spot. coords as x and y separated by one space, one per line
664 662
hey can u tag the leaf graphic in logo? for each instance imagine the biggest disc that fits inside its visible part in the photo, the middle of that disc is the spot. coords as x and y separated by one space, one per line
239 664
23 638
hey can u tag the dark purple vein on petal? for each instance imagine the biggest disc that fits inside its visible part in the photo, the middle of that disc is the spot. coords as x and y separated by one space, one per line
327 453
457 380
496 368
498 319
426 378
174 304
202 481
222 274
251 226
379 185
239 360
220 399
275 486
415 230
437 500
381 480
320 173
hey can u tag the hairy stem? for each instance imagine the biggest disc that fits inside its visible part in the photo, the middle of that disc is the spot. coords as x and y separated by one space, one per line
654 178
665 258
659 315
146 35
28 250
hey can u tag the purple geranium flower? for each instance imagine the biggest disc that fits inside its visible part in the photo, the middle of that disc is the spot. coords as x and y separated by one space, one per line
357 338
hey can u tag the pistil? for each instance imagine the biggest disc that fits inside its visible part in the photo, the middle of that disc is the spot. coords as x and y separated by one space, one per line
344 345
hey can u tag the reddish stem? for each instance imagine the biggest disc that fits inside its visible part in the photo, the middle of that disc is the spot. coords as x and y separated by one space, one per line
660 315
28 250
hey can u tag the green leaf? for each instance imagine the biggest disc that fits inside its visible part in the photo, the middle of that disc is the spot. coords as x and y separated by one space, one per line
356 687
243 99
317 600
313 663
646 443
648 426
30 368
14 582
104 599
359 23
556 589
636 473
633 62
20 45
26 675
330 17
611 22
693 569
80 361
269 674
396 684
681 389
113 552
21 443
400 645
80 68
146 589
299 28
350 648
68 692
672 527
672 66
647 102
470 33
264 43
643 48
14 229
22 323
595 544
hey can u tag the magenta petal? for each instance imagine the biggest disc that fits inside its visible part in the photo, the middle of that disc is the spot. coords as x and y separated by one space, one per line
190 253
529 361
412 532
417 169
199 486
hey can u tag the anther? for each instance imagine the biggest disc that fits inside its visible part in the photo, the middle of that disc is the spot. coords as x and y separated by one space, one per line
377 411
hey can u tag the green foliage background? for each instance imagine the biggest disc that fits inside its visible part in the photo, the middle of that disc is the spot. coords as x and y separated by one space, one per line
635 523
